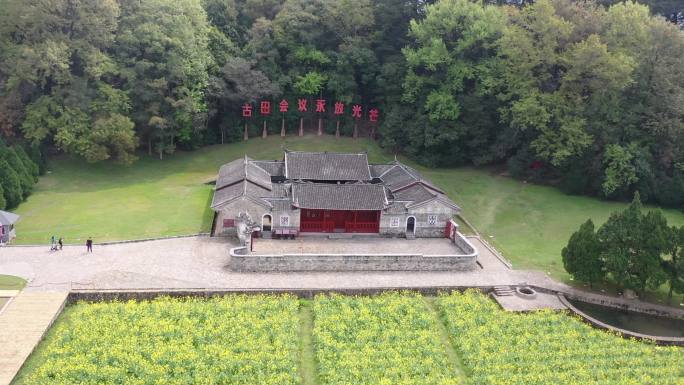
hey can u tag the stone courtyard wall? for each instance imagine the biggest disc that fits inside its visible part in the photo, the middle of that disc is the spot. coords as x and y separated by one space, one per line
464 258
337 262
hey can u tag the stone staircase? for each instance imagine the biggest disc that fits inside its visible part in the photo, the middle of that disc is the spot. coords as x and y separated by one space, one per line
503 291
340 236
410 236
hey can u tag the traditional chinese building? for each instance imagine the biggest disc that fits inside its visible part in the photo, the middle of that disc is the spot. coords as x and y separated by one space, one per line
322 192
7 221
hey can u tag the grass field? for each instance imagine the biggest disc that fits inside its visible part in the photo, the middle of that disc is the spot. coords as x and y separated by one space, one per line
393 338
529 224
10 282
148 199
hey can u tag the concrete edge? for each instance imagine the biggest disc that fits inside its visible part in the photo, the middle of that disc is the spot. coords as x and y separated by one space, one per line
120 242
9 301
491 249
660 340
42 335
97 295
616 303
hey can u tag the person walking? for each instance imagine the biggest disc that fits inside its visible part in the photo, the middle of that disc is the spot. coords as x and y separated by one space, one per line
89 245
53 246
61 244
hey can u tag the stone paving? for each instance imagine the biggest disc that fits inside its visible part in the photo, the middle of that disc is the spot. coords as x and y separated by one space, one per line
200 262
541 301
320 245
22 325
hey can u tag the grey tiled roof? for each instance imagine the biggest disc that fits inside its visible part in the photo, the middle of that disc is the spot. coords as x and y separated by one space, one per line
242 177
326 166
400 183
7 218
240 169
415 194
239 189
397 178
280 190
339 196
281 205
273 167
378 169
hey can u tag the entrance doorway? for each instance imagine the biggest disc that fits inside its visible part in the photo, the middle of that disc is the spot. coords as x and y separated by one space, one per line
266 221
410 225
342 221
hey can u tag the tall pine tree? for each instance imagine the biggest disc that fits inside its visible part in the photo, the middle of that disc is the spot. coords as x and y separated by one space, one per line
582 255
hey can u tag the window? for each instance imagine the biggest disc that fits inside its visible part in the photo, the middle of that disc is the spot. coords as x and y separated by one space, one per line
432 220
394 222
284 221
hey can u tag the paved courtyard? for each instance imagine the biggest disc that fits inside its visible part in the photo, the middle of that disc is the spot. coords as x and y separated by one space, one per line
323 245
200 262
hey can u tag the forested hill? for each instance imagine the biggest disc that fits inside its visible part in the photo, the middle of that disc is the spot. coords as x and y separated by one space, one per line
562 91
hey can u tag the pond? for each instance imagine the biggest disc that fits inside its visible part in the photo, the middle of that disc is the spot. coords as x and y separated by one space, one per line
632 321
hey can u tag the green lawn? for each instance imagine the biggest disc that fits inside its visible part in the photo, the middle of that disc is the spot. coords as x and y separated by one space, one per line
148 199
10 282
529 224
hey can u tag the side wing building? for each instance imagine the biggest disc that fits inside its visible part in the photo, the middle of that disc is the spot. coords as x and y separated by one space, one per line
322 192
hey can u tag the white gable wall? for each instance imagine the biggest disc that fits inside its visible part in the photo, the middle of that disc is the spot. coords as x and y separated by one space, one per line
232 209
423 214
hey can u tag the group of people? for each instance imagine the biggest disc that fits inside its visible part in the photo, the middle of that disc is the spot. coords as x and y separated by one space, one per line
59 244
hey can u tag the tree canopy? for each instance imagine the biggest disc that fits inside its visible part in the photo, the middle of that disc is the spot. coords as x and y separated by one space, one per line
586 95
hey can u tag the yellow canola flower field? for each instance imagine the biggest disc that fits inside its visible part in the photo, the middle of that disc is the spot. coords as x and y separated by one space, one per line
390 339
234 340
549 348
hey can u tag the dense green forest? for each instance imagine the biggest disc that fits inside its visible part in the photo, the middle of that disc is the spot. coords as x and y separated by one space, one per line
19 171
583 95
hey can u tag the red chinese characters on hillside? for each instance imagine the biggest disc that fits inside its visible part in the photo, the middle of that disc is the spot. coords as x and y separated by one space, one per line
356 111
284 105
373 114
265 108
301 105
320 105
338 108
246 110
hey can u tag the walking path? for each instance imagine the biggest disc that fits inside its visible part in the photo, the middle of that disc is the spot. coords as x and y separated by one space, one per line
22 325
200 262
